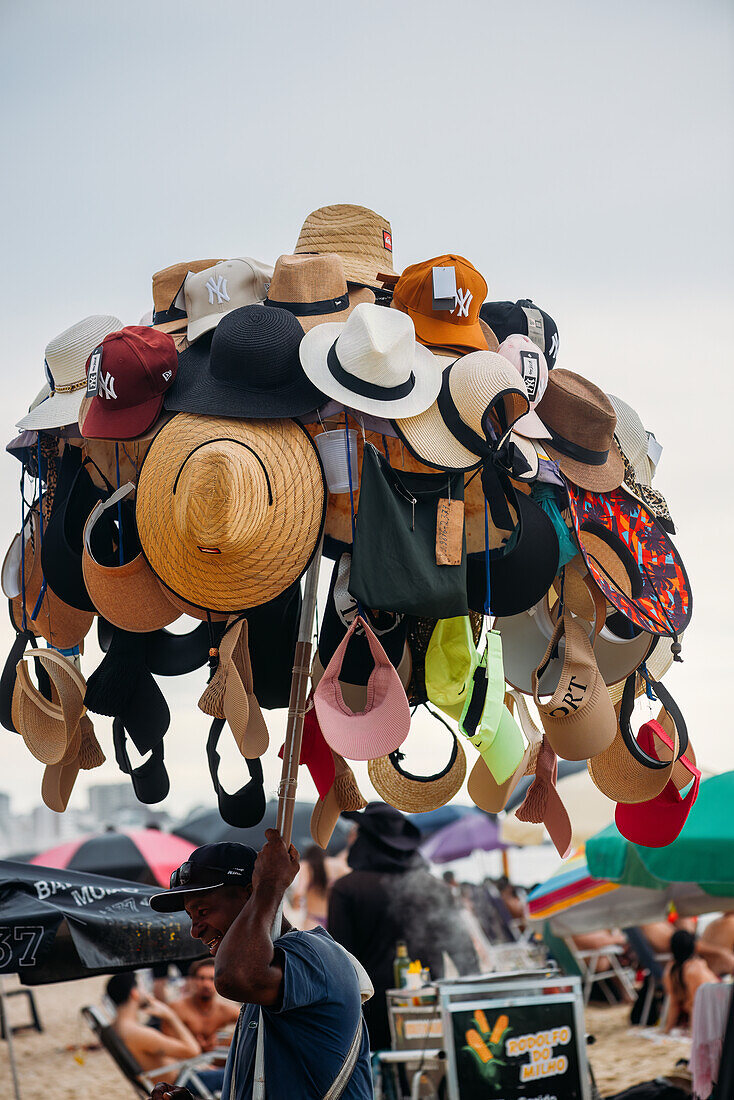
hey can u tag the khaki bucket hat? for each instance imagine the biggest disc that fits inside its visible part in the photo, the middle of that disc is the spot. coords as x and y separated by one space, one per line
129 596
230 512
362 238
579 721
50 730
417 793
314 289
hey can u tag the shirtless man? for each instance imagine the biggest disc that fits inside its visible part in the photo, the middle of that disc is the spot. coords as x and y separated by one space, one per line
716 944
202 1010
151 1048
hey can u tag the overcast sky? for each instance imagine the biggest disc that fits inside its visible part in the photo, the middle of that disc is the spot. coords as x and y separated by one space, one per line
577 153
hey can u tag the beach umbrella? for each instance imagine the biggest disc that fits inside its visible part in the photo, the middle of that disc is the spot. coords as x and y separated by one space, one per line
137 855
573 901
588 809
207 827
703 853
474 831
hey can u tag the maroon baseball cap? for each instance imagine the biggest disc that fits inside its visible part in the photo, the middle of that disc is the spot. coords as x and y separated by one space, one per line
127 376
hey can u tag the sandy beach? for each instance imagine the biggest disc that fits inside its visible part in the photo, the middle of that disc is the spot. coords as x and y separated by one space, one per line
54 1065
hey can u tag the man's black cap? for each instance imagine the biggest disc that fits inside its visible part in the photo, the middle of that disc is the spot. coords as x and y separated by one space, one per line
524 317
207 868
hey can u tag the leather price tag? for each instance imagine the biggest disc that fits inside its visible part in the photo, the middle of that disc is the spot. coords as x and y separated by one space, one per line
449 532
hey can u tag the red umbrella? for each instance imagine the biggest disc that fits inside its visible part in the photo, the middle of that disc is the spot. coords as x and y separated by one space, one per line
138 855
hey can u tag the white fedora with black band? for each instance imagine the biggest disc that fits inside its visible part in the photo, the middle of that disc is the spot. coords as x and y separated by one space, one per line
372 363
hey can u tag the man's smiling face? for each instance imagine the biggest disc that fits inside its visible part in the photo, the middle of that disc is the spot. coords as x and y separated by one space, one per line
213 911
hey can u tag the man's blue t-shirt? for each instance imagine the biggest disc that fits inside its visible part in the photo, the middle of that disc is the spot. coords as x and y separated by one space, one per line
307 1039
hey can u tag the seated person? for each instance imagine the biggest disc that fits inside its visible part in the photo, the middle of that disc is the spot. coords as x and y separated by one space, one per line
595 941
683 975
716 944
151 1048
202 1010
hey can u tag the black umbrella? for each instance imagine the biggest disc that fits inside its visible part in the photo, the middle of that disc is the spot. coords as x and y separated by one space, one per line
565 767
207 827
62 925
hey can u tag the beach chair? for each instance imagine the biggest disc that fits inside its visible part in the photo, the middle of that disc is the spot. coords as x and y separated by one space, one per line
583 964
181 1073
654 966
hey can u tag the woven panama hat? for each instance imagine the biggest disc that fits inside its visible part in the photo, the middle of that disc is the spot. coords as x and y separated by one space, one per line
372 363
472 387
416 793
167 316
581 421
65 361
46 727
314 289
361 237
62 625
128 595
230 512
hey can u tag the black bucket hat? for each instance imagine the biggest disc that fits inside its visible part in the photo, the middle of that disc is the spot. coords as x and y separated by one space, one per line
341 608
521 575
63 537
246 807
250 369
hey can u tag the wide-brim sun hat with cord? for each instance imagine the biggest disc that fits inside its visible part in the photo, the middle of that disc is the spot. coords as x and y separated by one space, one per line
372 363
362 238
65 364
314 289
452 433
230 512
581 421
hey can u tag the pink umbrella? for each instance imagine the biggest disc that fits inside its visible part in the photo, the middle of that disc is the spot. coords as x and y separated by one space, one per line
138 855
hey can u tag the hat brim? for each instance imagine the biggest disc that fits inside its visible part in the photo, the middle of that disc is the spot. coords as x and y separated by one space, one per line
598 479
56 411
172 327
196 390
174 901
531 426
97 421
314 350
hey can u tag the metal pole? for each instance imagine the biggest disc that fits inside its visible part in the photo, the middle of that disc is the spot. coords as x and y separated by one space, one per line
8 1032
291 760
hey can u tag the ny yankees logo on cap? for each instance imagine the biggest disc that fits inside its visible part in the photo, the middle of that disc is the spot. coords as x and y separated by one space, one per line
218 287
463 301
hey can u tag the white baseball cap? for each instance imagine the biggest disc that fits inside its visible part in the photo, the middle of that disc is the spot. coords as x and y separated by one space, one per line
211 294
527 358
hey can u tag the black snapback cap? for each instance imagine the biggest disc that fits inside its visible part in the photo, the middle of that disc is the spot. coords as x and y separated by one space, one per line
207 868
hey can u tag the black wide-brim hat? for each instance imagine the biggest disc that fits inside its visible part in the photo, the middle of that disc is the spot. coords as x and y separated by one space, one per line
387 826
249 368
521 575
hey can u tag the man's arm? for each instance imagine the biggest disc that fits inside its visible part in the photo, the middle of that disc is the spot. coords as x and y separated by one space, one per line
247 968
178 1045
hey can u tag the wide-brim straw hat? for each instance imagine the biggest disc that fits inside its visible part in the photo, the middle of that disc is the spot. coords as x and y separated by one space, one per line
476 385
581 421
361 237
314 289
417 793
372 362
48 728
230 512
129 595
60 624
66 360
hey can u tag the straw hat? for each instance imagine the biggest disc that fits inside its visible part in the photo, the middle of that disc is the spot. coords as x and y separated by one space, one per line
621 777
579 721
49 729
344 796
60 624
471 388
372 363
65 361
362 238
417 793
230 512
314 289
581 421
130 595
214 292
167 316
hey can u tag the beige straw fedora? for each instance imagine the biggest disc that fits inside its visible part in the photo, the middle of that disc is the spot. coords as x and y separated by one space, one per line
361 237
130 595
49 729
314 289
65 362
581 421
230 512
416 793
